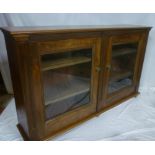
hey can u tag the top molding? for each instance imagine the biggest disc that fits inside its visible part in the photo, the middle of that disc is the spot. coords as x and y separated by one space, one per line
69 29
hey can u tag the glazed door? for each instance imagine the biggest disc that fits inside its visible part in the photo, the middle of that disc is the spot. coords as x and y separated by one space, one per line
66 81
121 65
69 78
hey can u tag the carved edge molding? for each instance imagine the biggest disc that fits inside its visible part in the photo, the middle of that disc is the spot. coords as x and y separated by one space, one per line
21 38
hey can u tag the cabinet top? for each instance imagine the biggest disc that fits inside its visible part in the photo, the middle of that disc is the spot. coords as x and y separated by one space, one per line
69 28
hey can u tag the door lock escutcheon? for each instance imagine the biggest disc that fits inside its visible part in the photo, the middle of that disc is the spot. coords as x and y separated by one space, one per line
108 67
98 69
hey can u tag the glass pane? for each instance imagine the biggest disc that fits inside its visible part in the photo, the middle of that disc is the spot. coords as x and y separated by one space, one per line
122 66
66 81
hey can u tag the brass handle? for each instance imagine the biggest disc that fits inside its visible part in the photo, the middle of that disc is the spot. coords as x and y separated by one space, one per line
98 69
108 67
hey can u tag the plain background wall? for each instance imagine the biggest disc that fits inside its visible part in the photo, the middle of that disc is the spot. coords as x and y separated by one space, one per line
148 74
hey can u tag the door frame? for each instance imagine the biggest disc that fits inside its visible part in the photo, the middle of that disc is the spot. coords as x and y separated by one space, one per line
106 100
45 127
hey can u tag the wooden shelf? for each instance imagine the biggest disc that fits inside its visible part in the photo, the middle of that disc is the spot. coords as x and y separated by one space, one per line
123 51
54 64
115 76
66 89
117 85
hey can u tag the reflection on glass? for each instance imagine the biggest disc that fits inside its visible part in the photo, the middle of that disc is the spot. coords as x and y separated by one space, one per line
66 81
122 66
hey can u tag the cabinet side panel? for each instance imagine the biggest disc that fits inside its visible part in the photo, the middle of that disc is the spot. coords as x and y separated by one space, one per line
143 45
14 63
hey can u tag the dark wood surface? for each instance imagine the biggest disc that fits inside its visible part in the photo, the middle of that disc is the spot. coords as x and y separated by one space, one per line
2 86
26 45
71 28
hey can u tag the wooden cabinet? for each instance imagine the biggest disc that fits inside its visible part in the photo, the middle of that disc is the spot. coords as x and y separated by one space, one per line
64 76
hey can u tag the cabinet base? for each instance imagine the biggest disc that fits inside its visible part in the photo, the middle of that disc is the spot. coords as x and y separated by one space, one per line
68 128
22 132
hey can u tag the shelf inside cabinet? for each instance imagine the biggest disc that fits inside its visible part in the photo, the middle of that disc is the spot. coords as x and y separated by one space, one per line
64 62
117 85
115 76
66 89
123 51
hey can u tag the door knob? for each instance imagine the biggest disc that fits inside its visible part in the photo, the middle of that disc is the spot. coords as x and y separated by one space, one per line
98 69
108 67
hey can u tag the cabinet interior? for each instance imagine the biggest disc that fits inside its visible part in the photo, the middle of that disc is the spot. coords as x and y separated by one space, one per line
66 80
122 66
